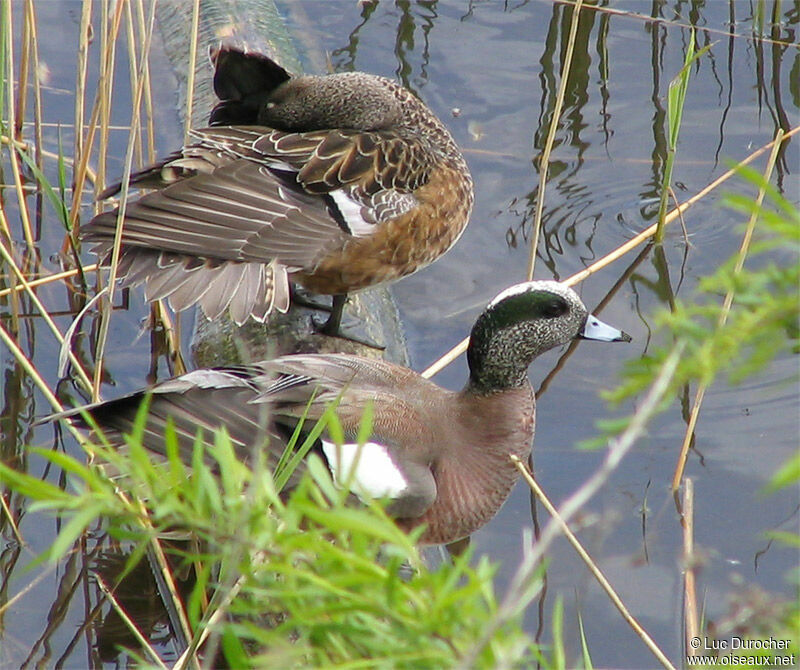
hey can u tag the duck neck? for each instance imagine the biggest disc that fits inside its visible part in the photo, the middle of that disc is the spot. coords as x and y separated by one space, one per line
499 360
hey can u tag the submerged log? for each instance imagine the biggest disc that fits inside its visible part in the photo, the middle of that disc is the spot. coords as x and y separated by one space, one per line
372 314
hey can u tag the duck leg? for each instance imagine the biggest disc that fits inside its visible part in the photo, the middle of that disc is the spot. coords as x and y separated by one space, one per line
333 325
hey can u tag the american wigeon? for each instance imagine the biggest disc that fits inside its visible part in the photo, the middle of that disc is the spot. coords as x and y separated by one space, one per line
337 182
441 457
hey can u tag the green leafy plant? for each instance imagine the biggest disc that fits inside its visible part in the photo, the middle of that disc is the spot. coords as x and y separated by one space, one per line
306 579
763 321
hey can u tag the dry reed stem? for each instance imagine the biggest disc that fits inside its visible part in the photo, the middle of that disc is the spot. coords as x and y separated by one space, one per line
520 591
129 623
26 146
12 522
47 280
30 15
587 559
24 69
677 24
22 145
166 573
691 620
81 74
105 315
82 170
33 373
148 94
7 605
544 162
219 611
45 315
620 251
108 50
11 118
723 317
171 337
133 74
5 229
140 26
192 67
102 92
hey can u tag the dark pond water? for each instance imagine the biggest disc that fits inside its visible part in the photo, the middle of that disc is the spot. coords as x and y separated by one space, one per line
497 63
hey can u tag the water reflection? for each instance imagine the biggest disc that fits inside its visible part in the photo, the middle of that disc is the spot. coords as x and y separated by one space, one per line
500 63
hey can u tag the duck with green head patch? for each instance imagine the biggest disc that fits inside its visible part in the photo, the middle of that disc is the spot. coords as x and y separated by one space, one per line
440 457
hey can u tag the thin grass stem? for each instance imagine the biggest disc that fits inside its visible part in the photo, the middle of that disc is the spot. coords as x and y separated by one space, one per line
690 614
676 99
726 308
11 115
49 279
140 638
544 162
611 11
84 378
623 249
520 592
587 559
115 253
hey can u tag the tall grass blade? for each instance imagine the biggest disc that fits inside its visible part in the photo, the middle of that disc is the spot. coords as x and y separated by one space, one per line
676 100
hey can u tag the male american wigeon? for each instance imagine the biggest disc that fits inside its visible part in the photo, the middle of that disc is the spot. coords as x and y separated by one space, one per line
337 182
440 457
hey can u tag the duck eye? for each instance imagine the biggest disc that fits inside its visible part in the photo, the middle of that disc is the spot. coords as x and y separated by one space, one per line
554 308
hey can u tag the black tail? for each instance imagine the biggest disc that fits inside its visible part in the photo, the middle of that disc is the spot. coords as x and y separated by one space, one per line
242 82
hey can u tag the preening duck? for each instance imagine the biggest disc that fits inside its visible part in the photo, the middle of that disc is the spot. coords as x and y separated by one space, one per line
337 182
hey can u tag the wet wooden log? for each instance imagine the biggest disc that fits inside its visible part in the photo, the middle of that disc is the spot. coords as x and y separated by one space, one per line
371 315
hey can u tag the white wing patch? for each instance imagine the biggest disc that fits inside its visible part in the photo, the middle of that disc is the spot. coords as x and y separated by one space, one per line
204 379
369 469
351 211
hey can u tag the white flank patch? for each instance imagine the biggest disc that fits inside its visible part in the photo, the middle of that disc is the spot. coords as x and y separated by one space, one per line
351 213
369 469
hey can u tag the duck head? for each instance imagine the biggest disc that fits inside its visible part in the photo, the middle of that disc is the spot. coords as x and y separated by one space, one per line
523 322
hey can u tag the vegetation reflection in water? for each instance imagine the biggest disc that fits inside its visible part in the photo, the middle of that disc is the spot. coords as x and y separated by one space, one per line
316 601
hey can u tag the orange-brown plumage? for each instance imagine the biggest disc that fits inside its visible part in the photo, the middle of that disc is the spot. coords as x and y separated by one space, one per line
338 182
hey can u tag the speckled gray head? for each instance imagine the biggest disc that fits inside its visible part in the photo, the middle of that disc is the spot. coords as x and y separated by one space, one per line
345 100
526 320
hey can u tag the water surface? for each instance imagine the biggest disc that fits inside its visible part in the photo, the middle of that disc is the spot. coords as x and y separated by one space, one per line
491 70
